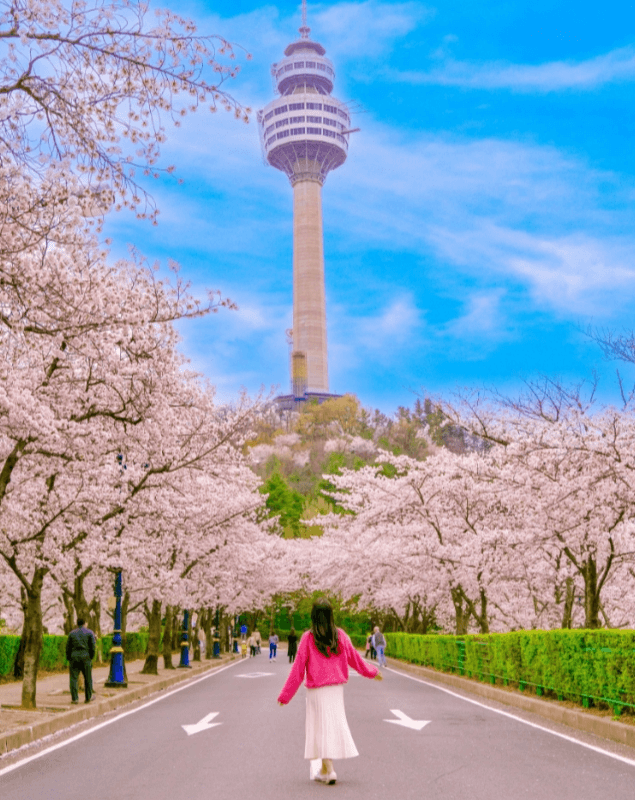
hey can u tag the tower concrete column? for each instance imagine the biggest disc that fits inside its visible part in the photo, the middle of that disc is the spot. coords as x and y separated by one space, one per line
309 304
304 133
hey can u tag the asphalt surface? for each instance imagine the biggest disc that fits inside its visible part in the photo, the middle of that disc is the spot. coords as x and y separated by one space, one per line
465 751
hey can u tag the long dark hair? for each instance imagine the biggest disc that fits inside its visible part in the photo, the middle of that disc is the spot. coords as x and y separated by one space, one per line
323 627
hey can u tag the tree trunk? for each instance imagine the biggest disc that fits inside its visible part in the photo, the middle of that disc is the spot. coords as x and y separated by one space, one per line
94 616
94 623
569 597
206 624
461 613
125 604
18 662
189 628
196 645
483 619
33 638
591 595
154 637
69 613
79 599
167 638
177 628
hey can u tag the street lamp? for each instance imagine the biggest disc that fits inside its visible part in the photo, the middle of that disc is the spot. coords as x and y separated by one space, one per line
185 645
117 677
235 637
217 637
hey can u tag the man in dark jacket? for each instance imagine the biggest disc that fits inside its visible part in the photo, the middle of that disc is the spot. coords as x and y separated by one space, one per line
80 651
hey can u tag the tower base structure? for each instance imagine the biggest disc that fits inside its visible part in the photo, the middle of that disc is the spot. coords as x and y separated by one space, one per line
291 402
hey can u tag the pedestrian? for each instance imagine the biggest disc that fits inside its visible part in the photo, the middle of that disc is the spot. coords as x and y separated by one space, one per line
243 632
324 656
292 648
369 644
258 639
379 643
252 645
273 645
80 651
243 648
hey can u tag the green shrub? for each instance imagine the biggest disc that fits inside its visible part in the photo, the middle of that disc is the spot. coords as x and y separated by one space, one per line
135 644
579 665
8 648
53 655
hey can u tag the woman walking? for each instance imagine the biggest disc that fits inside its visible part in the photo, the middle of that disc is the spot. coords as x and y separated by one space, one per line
324 655
293 645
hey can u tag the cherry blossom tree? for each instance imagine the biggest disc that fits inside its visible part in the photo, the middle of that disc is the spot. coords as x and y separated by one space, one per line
87 86
575 466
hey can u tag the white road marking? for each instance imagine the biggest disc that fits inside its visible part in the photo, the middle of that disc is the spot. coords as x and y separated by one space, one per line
81 735
204 725
406 721
254 674
564 736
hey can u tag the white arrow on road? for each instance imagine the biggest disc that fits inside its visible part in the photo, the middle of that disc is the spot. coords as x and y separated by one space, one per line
404 719
205 724
254 674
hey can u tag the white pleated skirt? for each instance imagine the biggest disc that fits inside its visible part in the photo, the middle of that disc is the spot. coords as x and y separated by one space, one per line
327 731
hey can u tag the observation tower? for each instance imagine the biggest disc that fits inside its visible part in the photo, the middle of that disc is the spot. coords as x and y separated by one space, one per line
304 133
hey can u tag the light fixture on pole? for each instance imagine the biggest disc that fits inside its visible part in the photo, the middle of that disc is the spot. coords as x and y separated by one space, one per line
117 677
217 636
185 645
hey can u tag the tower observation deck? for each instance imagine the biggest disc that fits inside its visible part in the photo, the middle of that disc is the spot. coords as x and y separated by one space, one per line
304 133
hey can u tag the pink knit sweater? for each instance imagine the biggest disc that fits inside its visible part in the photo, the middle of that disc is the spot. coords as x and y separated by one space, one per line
323 671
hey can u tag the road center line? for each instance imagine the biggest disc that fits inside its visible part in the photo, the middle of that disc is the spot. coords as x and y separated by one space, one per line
596 749
77 736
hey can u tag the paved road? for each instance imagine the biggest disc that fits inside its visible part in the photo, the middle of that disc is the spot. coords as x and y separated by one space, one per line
467 751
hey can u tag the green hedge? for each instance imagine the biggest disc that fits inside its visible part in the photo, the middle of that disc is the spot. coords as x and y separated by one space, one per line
8 648
53 655
580 665
135 644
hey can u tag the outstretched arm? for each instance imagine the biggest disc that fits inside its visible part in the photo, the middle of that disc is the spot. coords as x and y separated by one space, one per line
357 662
296 674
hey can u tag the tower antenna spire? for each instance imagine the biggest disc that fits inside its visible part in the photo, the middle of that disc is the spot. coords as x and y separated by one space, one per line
304 30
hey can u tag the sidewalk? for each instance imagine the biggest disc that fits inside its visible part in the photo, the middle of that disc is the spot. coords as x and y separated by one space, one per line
55 711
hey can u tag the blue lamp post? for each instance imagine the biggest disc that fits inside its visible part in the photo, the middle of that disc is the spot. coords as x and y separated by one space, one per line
217 637
117 677
185 645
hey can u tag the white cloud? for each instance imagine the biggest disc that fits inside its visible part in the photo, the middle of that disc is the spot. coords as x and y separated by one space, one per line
568 274
366 30
497 210
392 328
483 316
554 76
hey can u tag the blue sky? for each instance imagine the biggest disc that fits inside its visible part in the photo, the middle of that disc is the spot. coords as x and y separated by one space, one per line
485 212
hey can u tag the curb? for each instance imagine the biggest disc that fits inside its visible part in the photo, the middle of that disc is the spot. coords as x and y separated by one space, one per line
551 710
31 733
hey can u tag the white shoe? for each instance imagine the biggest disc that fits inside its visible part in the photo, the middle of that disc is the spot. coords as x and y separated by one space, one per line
326 777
